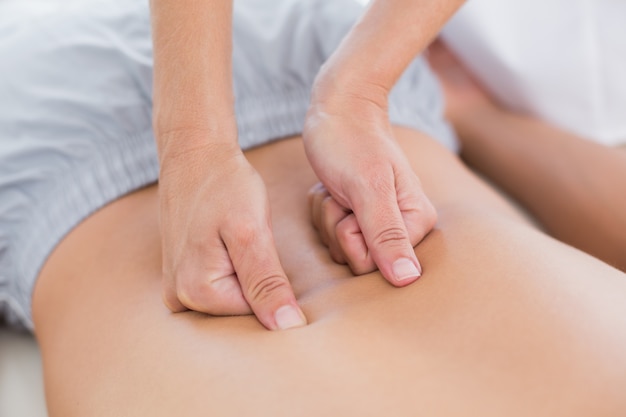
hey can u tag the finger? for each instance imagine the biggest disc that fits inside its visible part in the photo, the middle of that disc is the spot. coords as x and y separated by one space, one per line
169 294
206 282
383 228
319 196
312 193
264 283
353 247
314 190
331 214
168 283
316 195
419 217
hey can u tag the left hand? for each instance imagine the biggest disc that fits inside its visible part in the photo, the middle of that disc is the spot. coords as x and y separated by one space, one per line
371 210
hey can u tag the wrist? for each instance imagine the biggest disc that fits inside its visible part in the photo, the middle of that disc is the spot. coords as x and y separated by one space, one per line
192 114
209 142
193 127
336 91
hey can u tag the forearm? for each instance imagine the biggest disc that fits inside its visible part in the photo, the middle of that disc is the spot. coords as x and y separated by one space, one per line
389 35
193 89
574 187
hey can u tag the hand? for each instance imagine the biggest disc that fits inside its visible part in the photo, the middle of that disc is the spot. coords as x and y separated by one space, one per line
371 211
219 255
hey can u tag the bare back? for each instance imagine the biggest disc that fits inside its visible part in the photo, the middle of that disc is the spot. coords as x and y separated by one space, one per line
504 321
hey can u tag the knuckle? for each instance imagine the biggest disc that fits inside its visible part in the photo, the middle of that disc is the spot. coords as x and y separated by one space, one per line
171 301
337 256
344 236
360 266
332 211
421 221
390 236
347 232
265 287
196 294
246 233
355 251
357 256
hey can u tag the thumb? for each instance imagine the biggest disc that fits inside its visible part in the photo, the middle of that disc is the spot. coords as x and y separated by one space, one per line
386 236
263 280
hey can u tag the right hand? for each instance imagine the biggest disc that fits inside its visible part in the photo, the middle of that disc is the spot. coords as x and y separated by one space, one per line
371 210
219 255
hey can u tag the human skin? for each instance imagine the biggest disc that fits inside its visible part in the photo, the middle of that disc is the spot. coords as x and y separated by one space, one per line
217 265
212 263
504 321
349 141
574 187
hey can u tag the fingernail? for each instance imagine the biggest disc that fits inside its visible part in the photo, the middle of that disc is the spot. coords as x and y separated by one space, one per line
288 316
404 269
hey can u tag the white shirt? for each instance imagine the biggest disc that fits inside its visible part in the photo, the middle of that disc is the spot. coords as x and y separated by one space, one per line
561 60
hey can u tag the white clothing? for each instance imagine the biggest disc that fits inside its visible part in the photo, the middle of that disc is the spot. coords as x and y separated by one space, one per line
561 60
